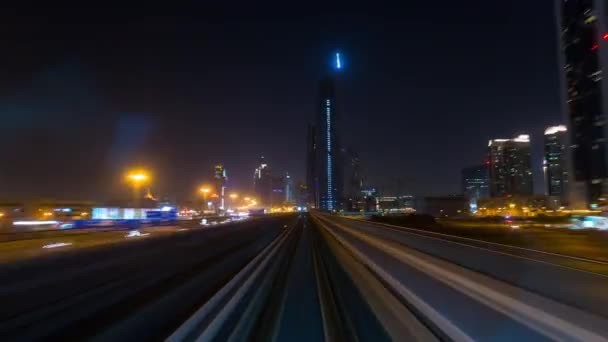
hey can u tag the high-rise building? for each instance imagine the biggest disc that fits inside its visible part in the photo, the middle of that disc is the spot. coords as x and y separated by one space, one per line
325 162
555 163
290 195
262 183
476 182
220 179
510 167
583 31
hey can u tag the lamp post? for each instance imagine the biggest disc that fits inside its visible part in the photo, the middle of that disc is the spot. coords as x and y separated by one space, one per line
137 178
205 192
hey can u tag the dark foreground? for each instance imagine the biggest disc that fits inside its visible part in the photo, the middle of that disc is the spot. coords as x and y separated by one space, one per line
303 278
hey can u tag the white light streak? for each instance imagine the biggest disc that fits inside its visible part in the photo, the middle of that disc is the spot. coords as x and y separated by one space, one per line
136 233
57 245
34 223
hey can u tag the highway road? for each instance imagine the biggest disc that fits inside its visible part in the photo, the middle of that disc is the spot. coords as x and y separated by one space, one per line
303 277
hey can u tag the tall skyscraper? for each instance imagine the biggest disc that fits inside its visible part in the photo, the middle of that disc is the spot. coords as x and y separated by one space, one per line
290 195
510 167
476 182
583 31
555 163
262 183
324 148
220 179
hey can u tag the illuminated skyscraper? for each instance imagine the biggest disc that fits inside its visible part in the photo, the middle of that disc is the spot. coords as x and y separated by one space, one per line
476 182
325 148
510 167
555 163
583 30
262 183
220 179
290 194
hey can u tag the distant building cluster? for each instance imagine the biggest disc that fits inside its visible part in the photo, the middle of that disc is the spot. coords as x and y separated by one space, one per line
575 160
272 190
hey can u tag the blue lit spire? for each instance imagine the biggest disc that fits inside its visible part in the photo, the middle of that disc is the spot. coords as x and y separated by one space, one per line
338 62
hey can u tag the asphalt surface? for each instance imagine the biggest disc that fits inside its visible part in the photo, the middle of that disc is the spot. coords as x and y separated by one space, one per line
300 278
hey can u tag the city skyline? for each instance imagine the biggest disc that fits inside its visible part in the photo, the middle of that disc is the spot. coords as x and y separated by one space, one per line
180 126
411 171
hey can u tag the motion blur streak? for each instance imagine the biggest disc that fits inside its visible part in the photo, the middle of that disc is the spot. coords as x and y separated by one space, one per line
550 325
57 245
34 223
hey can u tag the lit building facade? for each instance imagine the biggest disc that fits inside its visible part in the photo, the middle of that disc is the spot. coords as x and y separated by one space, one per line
328 151
510 167
555 163
262 183
583 31
325 162
220 178
476 182
290 194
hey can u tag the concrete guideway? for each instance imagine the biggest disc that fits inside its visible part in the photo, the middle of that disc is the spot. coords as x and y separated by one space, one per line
530 315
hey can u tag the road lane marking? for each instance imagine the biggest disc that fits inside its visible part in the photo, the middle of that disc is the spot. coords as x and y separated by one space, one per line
539 320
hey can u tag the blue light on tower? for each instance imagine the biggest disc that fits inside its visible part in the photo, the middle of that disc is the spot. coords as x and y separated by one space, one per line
338 63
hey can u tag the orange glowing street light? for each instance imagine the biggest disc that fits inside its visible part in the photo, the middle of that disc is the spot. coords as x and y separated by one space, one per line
234 196
205 190
137 177
247 199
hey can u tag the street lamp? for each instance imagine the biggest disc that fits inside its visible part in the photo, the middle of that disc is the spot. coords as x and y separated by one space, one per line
205 191
137 178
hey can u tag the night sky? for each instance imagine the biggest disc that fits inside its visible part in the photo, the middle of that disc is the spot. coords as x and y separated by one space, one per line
87 93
